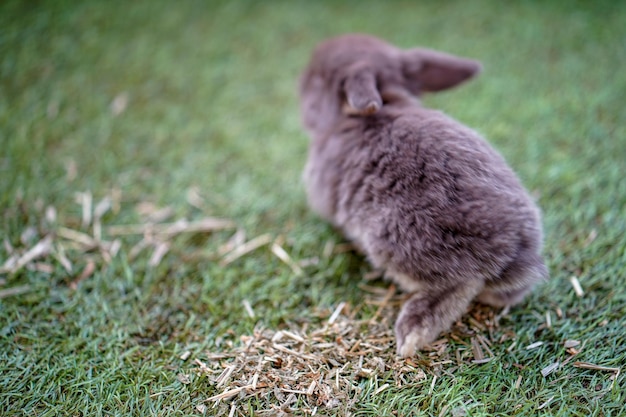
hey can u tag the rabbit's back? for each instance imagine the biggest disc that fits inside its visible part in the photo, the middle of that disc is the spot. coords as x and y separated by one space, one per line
422 195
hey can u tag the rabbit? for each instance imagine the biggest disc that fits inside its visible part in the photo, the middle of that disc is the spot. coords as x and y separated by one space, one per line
425 198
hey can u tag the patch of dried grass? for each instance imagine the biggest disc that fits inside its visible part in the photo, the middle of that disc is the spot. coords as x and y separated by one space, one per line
86 242
317 364
306 367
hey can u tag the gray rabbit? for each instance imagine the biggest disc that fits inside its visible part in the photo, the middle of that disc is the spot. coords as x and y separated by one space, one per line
422 196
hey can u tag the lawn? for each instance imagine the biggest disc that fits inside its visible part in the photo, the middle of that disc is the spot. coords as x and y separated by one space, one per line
158 256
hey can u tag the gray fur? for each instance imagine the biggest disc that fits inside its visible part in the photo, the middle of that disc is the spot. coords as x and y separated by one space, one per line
424 197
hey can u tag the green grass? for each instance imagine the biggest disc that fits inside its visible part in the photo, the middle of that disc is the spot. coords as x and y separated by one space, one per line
212 104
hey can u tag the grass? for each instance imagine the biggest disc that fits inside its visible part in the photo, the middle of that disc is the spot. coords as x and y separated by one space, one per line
211 111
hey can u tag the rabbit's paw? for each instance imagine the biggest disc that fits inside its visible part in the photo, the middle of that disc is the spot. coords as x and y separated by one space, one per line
428 313
416 338
415 327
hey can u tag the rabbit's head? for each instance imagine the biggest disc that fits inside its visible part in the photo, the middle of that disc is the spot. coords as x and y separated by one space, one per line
358 74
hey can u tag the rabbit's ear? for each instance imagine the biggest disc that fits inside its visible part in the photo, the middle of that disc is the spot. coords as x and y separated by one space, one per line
428 70
362 95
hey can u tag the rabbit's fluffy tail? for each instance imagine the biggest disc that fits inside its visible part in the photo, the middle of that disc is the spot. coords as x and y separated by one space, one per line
517 280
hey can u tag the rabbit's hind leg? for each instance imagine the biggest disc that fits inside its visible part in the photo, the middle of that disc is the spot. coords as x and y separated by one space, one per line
428 313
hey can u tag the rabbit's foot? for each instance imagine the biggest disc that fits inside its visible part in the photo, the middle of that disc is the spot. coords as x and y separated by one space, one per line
426 314
415 339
